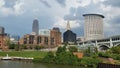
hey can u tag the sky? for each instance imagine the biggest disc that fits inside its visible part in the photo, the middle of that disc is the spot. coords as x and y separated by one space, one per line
17 16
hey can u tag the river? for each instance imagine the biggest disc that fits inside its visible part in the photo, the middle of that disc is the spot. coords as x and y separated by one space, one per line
21 64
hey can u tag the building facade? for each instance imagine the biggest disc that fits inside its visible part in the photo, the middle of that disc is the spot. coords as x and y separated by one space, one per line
46 38
69 36
93 26
4 38
35 27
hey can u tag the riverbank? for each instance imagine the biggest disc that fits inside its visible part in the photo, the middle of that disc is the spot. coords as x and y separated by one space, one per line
60 57
27 54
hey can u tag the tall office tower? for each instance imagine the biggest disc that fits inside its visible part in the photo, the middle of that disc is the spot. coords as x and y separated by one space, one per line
93 26
35 27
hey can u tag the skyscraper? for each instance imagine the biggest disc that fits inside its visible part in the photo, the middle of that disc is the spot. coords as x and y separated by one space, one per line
69 36
93 26
35 27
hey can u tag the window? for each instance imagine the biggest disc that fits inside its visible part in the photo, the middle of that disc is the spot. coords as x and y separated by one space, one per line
31 39
46 40
52 41
39 39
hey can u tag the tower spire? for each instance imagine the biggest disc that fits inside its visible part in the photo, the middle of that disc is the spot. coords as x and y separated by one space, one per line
68 25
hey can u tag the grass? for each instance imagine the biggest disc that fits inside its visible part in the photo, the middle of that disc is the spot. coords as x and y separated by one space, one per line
33 54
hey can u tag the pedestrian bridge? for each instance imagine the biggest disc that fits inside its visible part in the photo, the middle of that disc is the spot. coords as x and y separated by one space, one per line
101 44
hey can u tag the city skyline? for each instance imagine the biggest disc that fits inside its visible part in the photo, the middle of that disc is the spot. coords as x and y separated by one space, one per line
16 14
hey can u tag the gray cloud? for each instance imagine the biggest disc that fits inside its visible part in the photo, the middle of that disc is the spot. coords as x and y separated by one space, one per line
113 27
115 20
77 13
80 30
45 3
62 2
70 16
10 3
113 2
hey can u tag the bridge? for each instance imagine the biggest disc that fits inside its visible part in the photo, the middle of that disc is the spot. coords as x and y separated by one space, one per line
101 44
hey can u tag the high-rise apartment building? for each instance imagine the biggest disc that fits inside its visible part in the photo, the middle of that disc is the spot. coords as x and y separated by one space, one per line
35 27
93 26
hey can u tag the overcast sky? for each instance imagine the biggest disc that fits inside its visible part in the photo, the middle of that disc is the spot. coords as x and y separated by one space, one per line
17 16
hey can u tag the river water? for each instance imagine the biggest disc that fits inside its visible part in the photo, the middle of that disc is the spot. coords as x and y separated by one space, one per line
21 64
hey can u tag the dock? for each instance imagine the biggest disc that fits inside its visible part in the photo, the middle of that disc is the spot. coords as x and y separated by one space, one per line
15 58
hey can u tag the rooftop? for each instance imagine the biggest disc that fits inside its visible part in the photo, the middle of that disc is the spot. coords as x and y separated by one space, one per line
93 14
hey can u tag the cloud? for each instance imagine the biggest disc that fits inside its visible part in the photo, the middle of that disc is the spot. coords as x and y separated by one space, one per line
98 1
9 3
61 23
15 9
111 29
77 13
6 11
77 3
115 3
62 2
45 3
2 2
110 11
116 20
83 3
19 8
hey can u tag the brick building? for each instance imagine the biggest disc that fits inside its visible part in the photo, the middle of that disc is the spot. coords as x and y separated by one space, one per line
46 38
4 38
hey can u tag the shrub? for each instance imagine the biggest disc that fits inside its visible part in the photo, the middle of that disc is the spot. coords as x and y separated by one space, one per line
37 47
49 58
37 60
73 49
116 56
89 61
11 46
115 50
105 55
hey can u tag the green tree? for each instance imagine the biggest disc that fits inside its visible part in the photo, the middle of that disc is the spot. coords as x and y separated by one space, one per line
87 52
73 49
11 46
49 58
37 47
59 50
115 50
66 58
24 46
16 47
89 61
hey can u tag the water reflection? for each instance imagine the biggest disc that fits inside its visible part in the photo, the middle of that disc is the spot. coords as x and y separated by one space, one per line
21 64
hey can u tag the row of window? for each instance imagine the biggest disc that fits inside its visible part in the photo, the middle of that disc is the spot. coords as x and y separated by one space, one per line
39 40
117 38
